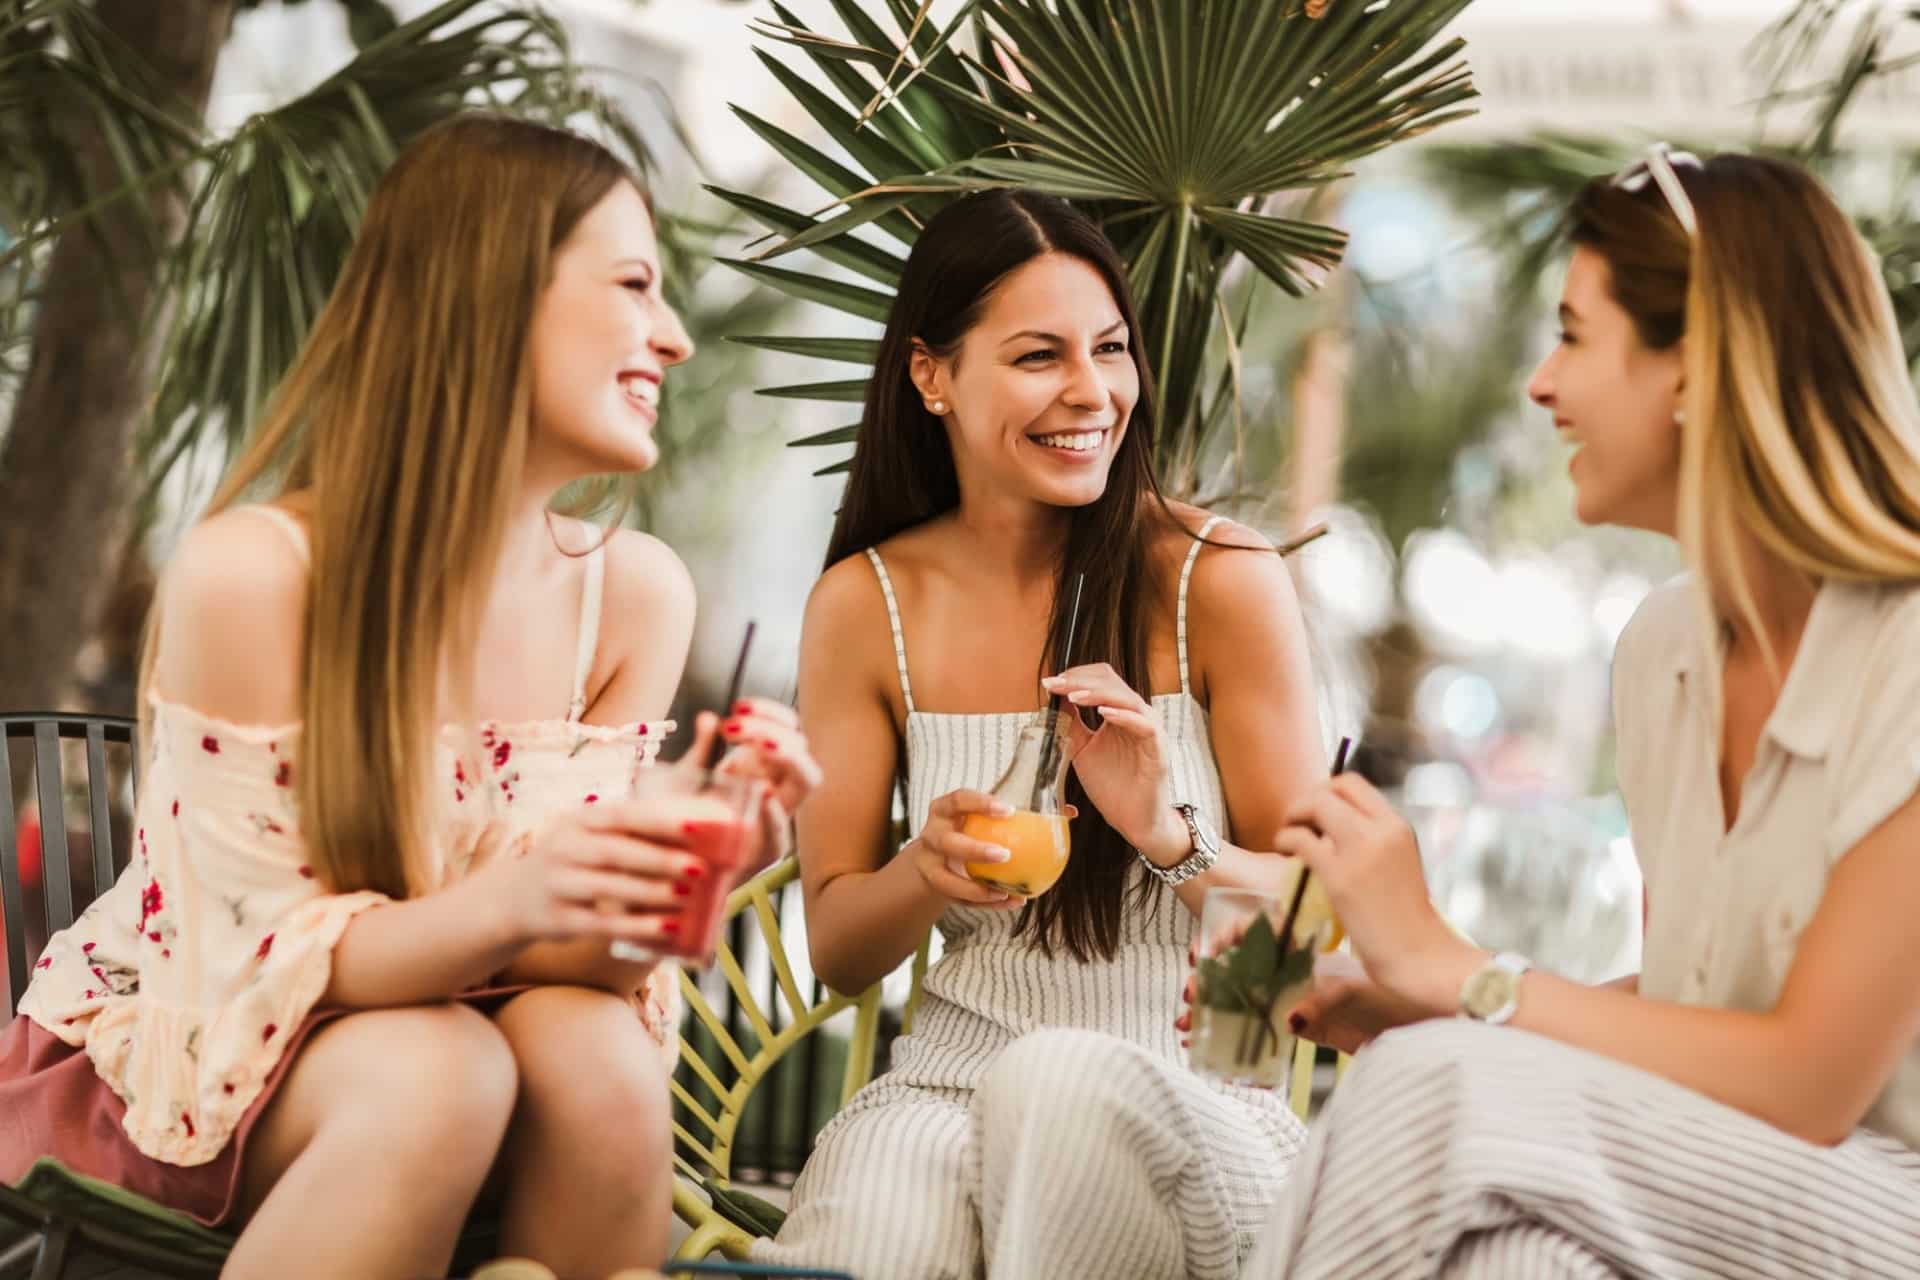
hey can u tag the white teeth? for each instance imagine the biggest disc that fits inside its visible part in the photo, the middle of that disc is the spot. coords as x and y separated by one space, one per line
1077 441
643 390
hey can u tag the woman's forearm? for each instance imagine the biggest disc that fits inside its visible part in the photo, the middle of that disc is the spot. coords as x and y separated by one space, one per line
585 962
862 924
1711 1051
420 950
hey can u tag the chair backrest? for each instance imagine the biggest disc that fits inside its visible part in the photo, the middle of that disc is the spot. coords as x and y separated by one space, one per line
46 899
706 1137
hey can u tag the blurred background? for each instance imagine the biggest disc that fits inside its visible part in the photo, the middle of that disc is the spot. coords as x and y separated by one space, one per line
1463 622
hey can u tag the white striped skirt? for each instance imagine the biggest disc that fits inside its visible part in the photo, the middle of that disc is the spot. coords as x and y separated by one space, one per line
1453 1149
1078 1155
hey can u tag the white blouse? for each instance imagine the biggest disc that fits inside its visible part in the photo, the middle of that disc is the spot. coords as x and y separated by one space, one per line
1839 754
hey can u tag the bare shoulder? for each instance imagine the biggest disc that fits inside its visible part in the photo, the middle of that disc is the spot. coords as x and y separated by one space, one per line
846 639
846 604
645 573
1235 567
233 603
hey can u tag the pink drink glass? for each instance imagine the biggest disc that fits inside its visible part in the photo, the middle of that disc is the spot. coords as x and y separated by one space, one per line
720 821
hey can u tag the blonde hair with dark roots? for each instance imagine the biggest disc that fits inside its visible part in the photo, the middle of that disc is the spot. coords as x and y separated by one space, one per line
1801 430
407 414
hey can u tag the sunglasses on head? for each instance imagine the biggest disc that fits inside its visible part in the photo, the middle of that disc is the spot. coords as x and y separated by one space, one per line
1658 168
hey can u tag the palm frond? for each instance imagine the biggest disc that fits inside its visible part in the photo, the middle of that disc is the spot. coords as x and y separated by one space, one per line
1179 124
276 211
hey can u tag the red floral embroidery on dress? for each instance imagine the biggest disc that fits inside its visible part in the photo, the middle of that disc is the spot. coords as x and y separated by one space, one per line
265 825
227 1088
283 776
266 945
88 994
592 797
176 808
151 900
153 935
306 872
210 745
44 962
187 1120
501 754
266 1032
87 948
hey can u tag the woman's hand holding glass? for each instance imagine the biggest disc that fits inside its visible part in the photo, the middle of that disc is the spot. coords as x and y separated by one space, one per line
940 853
768 745
1122 765
1368 859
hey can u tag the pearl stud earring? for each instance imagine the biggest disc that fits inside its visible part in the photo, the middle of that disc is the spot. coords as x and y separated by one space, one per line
938 407
1679 417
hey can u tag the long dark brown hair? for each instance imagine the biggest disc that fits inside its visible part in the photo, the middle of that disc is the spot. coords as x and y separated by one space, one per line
903 475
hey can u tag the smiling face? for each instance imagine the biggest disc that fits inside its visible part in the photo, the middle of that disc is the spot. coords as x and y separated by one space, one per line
1038 393
602 340
1614 398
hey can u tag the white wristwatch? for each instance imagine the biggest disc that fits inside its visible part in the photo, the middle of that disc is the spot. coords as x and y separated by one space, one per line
1492 994
1206 850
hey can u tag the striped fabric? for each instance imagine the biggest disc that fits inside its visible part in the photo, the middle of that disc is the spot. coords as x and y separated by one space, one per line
1454 1149
1040 1122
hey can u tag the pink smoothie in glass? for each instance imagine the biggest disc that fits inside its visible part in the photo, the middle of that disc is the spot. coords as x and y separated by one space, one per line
720 843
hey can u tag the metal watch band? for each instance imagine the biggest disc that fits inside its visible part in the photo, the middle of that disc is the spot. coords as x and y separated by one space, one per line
1206 851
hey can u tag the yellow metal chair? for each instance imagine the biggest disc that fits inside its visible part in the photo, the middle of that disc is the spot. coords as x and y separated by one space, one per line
711 1230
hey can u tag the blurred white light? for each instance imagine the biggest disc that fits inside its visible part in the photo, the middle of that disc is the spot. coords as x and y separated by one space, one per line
1539 612
1438 784
1449 586
1470 707
1349 572
1614 606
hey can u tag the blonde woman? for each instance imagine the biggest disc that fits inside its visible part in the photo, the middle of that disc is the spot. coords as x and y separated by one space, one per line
1749 1103
359 966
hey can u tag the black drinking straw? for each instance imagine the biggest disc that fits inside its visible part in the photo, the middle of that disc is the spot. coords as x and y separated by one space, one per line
1300 885
1053 701
733 696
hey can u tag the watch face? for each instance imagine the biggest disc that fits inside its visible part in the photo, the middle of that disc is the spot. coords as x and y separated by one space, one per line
1488 991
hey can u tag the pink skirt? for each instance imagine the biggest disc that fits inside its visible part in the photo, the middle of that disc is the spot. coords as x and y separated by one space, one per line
53 1104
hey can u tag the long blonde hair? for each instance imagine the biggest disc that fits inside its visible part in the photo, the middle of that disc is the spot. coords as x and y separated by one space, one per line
407 415
1801 431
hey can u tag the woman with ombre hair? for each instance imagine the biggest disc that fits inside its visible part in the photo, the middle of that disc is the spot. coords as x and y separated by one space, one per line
1748 1104
358 975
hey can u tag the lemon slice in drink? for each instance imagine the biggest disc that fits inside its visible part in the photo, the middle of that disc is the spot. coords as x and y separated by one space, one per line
1316 917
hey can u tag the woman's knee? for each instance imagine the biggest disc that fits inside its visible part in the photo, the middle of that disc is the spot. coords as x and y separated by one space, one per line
443 1066
584 1058
1064 1070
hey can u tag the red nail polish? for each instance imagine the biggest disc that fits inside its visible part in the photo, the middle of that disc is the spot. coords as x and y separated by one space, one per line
682 890
693 871
1296 1022
770 744
743 708
731 728
670 927
689 828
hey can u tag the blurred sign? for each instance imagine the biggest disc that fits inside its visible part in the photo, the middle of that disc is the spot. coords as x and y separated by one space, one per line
1689 79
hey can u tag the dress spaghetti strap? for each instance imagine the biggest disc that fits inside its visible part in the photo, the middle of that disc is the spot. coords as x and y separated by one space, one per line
589 639
1180 611
893 620
287 525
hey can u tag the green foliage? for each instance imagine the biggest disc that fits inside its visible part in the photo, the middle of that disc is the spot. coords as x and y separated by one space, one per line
1250 976
1182 126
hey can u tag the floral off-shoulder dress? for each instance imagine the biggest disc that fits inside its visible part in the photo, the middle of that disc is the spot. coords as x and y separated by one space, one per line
188 982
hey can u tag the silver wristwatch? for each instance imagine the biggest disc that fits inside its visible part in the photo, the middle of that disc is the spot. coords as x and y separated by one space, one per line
1492 993
1206 850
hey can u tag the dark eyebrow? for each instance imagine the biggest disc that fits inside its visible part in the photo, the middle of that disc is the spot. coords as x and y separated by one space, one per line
1054 337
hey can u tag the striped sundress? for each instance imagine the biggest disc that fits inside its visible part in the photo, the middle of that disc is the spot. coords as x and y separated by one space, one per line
1040 1122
